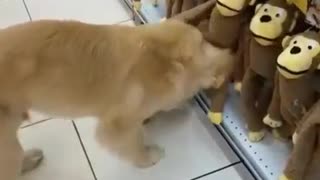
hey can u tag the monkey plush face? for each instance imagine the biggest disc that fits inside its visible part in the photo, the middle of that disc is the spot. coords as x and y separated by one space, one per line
272 21
300 54
232 7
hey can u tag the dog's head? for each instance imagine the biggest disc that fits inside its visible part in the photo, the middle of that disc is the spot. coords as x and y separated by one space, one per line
187 59
201 62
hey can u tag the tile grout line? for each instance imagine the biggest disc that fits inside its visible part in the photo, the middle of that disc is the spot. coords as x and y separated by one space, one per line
123 21
35 123
85 151
27 9
217 170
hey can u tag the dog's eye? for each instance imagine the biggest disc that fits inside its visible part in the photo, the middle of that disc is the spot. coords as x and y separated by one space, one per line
265 10
309 47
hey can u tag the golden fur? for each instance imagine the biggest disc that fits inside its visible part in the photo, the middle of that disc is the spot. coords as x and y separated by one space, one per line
119 74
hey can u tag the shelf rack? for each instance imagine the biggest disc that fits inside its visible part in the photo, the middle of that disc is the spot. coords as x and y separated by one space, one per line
266 159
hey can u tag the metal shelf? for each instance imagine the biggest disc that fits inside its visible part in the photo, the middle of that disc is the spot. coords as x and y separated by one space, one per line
265 159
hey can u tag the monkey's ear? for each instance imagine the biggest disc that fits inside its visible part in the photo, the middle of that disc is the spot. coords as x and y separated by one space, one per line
252 2
258 6
285 41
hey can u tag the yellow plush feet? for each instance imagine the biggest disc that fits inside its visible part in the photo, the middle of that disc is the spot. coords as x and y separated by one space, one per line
215 118
294 138
137 5
237 86
256 136
283 177
270 122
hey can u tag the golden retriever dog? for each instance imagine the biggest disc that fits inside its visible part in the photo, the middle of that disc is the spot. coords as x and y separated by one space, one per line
119 74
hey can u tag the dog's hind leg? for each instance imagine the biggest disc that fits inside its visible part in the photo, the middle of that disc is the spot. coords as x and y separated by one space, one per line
11 153
125 137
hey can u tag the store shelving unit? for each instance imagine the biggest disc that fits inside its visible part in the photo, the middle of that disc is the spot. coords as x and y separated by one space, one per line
265 159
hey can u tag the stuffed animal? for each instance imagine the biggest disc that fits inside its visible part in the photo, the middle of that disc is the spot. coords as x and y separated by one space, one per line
294 92
304 160
242 55
228 26
175 7
224 29
272 21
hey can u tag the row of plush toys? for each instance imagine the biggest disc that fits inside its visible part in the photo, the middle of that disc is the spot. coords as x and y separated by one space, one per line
276 71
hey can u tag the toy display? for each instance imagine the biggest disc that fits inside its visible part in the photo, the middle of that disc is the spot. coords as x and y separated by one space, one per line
271 22
276 72
294 93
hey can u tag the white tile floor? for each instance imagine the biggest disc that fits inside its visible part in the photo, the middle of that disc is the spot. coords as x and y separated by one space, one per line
71 153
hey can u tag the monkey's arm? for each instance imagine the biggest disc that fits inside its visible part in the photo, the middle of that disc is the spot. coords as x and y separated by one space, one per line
187 4
239 69
306 146
196 14
169 5
274 118
302 154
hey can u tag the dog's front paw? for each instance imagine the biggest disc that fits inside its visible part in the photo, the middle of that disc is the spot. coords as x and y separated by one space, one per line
153 155
272 123
256 136
32 159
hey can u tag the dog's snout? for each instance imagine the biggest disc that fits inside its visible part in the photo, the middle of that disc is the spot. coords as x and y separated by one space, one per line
265 18
295 50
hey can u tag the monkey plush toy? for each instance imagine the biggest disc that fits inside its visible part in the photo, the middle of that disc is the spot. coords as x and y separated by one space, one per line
271 22
304 160
223 29
294 93
175 7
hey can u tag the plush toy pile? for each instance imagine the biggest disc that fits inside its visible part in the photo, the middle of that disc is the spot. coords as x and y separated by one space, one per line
276 71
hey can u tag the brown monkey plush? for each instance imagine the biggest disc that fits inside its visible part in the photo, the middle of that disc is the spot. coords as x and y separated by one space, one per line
294 93
304 160
224 30
175 7
271 22
197 14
